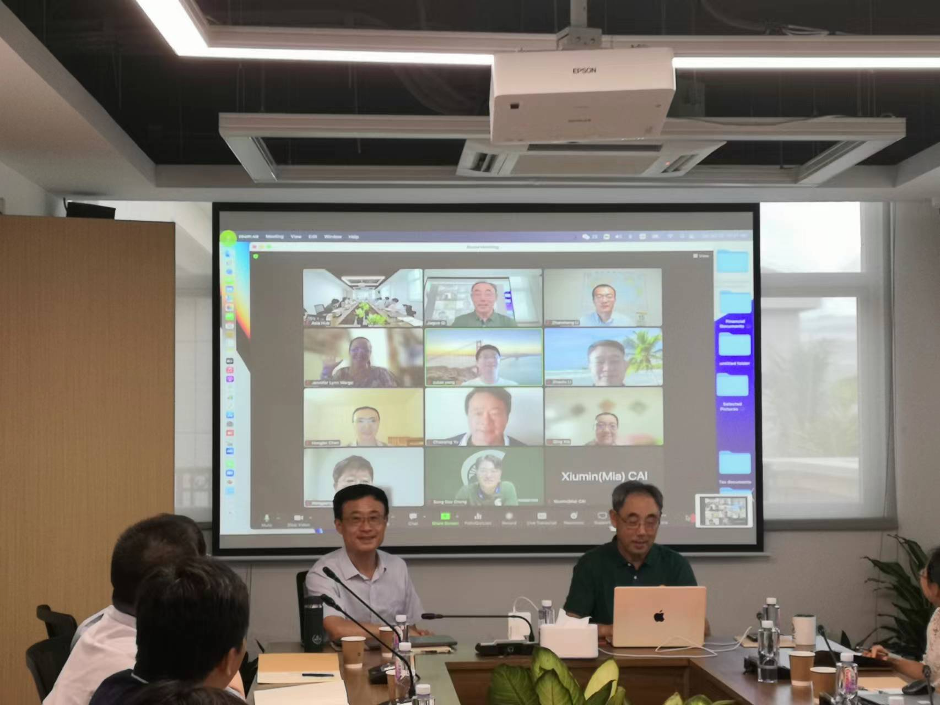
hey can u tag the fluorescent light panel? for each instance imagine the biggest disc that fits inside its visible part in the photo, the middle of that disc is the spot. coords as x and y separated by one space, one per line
175 24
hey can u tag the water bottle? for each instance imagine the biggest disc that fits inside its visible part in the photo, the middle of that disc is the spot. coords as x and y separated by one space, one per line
767 660
546 614
423 694
402 678
772 611
847 679
312 629
401 627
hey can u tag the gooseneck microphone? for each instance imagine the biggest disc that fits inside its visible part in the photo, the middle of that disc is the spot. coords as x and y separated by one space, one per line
330 574
822 631
439 616
926 673
411 676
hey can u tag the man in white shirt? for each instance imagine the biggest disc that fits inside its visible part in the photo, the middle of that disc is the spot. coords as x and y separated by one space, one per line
107 642
604 297
361 513
488 368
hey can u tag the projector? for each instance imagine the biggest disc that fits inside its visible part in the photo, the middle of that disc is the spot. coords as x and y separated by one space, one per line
580 96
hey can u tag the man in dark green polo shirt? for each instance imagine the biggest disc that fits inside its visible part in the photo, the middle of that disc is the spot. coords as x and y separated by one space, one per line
484 297
630 559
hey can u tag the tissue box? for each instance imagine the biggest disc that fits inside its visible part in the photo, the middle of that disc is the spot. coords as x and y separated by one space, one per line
570 641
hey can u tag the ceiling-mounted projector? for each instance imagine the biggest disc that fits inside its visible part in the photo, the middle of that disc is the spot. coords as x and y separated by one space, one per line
575 96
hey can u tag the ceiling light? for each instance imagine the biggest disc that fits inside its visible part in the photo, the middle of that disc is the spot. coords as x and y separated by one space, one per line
824 63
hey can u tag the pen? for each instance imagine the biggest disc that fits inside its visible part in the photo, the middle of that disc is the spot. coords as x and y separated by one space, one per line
317 674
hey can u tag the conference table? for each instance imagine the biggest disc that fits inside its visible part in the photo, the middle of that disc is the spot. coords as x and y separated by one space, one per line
463 677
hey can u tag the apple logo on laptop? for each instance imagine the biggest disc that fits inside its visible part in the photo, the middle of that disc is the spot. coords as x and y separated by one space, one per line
658 617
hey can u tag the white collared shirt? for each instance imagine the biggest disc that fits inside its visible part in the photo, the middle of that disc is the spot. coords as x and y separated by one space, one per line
465 441
107 646
389 591
480 382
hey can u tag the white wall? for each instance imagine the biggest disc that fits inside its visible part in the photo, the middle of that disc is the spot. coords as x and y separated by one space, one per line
823 572
21 197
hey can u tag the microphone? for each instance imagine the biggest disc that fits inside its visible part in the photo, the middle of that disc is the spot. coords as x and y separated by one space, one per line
822 631
438 616
329 573
926 673
411 677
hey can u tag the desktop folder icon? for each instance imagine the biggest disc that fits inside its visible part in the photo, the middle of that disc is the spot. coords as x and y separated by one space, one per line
734 344
734 464
731 385
731 261
734 302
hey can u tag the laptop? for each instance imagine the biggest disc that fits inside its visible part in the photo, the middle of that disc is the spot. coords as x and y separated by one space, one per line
659 616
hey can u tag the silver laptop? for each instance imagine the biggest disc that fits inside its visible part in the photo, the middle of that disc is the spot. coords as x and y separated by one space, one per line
659 616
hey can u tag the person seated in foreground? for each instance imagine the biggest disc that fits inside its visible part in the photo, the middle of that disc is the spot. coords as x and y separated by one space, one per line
632 558
361 513
192 621
909 667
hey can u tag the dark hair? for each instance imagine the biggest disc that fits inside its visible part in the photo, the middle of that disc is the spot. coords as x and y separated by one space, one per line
492 285
487 347
497 392
357 492
610 414
635 486
189 616
394 299
353 416
931 568
351 462
360 338
183 692
599 286
491 458
607 344
159 540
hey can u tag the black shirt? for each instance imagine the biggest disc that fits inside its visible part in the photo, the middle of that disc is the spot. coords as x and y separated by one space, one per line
119 688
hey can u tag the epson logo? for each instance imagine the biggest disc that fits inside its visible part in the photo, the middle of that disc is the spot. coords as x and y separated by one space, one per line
585 70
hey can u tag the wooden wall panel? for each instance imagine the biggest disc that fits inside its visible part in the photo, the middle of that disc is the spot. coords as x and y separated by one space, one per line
86 413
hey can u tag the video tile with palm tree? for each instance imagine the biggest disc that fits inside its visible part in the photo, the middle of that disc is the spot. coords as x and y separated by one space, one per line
604 357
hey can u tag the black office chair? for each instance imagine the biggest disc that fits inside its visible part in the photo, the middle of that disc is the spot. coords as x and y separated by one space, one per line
301 594
57 624
45 660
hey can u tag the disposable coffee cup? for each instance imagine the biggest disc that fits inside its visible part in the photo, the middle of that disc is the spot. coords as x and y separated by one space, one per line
801 663
392 686
385 638
353 648
824 680
805 629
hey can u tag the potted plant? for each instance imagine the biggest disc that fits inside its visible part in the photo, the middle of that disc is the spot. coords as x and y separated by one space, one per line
361 313
548 681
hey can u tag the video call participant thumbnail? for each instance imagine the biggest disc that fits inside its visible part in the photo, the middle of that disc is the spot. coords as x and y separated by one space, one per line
484 298
604 297
587 475
360 372
488 414
364 418
485 477
604 357
630 416
399 472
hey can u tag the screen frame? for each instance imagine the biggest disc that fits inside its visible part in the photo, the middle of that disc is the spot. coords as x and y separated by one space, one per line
473 551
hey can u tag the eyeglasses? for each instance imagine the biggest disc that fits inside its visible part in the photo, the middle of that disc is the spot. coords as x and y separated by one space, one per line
374 521
634 522
601 426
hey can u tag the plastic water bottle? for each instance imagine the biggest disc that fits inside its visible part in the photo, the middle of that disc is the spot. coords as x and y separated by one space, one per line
546 614
767 661
423 694
772 611
401 627
847 679
402 678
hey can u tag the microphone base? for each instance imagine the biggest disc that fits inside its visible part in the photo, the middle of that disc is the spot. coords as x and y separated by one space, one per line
504 648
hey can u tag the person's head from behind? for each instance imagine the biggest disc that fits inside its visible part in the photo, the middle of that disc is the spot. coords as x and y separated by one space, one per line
929 579
488 413
606 429
488 363
360 514
366 425
360 351
604 297
607 362
484 296
635 514
183 692
159 540
352 470
489 472
192 619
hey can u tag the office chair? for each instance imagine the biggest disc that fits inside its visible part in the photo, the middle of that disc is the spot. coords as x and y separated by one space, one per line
45 660
301 593
57 624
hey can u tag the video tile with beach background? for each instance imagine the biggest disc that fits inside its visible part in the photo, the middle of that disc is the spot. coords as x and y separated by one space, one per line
604 357
481 357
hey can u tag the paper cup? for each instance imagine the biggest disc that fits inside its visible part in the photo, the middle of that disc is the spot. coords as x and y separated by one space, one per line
392 686
385 638
801 663
824 680
805 629
353 648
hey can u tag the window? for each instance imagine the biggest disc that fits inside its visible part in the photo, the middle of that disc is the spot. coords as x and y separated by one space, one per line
825 352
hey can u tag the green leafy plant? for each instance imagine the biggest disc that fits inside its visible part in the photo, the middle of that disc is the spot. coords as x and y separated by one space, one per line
548 681
361 310
913 611
376 320
646 351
